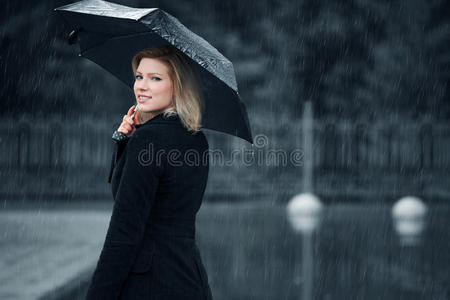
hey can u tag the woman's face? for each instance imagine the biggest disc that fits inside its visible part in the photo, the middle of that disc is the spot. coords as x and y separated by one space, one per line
152 80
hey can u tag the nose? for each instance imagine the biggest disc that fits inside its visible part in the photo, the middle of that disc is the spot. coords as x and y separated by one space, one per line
141 85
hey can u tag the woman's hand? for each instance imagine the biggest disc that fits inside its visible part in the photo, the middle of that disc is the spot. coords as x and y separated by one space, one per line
127 126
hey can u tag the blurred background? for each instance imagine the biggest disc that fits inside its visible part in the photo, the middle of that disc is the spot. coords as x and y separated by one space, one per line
359 88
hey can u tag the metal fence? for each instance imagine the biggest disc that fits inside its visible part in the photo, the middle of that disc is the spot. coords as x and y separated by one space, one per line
411 156
54 144
394 147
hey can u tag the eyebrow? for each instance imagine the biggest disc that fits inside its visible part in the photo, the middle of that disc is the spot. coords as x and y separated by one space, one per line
147 73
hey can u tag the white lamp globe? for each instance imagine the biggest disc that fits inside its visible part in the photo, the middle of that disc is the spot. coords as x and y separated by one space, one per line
305 212
409 214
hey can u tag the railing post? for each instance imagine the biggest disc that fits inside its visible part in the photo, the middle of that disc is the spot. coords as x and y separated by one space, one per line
308 140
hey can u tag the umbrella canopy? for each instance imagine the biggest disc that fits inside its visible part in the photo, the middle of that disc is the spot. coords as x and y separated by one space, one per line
110 35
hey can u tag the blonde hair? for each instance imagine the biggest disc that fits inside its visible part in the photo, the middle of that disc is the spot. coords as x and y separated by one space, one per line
188 98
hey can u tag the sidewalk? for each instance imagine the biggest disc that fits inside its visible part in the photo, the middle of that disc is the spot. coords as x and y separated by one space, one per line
45 246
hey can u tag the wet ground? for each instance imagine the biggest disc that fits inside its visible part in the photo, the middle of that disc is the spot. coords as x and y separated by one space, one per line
45 247
250 251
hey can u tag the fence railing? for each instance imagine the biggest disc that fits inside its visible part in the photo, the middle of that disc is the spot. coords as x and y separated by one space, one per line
350 149
54 144
395 147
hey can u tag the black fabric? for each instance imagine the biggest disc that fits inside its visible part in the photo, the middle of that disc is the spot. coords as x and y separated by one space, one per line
118 147
119 136
150 250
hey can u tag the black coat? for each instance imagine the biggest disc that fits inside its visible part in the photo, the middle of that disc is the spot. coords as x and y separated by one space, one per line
150 250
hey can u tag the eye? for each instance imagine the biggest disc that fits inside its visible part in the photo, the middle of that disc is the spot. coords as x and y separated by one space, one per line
137 76
158 79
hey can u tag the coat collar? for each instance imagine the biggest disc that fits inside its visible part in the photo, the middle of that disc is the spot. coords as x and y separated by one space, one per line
160 118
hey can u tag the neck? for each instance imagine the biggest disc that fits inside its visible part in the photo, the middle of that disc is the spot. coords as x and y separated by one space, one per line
145 116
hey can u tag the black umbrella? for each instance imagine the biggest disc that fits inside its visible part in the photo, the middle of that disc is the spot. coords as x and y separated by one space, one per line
110 35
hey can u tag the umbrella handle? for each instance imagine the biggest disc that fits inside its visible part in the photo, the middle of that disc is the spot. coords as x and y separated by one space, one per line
135 110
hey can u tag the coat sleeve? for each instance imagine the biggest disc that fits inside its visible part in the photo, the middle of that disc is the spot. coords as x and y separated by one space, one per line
134 199
118 146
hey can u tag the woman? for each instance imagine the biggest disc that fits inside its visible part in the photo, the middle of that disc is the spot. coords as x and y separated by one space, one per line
160 169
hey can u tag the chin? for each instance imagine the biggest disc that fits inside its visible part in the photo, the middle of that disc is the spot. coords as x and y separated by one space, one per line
145 107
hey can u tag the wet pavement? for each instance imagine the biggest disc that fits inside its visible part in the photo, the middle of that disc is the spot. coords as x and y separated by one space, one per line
250 251
46 247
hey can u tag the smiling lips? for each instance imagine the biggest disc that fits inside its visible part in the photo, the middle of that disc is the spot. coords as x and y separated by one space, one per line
143 98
